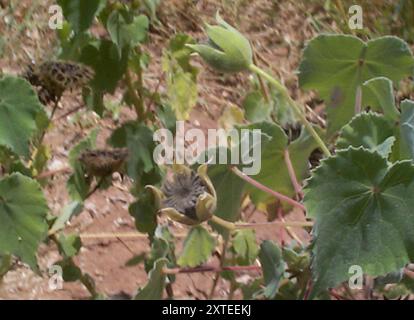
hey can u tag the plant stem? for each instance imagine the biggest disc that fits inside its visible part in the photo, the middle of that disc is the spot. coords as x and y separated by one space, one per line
262 187
289 230
211 269
287 224
47 174
137 101
308 289
283 91
55 106
262 85
230 226
234 226
115 235
98 185
292 174
218 272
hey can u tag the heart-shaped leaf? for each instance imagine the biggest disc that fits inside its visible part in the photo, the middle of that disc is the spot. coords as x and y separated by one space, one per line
367 221
78 184
229 189
154 288
273 267
139 141
274 173
378 94
245 246
145 213
181 76
369 130
198 247
80 13
109 66
336 65
127 34
23 210
407 129
19 108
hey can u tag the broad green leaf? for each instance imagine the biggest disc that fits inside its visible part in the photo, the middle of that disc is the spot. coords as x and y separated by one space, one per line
167 116
182 93
297 259
154 288
229 189
272 265
94 99
69 245
407 129
145 213
80 13
136 260
162 246
378 94
151 6
283 110
108 64
70 271
70 210
367 221
180 53
19 108
245 246
78 184
336 65
232 115
256 108
252 290
198 247
181 76
23 210
127 34
6 262
273 146
277 109
139 140
72 46
43 154
11 162
274 173
369 130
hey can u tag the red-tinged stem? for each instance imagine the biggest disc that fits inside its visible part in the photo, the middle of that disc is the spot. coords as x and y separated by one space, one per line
262 187
287 224
292 174
308 289
336 295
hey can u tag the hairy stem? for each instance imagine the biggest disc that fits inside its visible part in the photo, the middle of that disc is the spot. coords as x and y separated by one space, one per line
292 174
262 187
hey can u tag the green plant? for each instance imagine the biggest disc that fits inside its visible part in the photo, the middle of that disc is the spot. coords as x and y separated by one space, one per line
357 200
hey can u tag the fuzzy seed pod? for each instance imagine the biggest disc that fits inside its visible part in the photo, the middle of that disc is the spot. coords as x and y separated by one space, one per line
102 162
188 197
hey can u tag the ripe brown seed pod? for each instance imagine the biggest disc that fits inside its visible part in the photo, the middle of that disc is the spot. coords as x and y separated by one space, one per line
52 78
103 162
